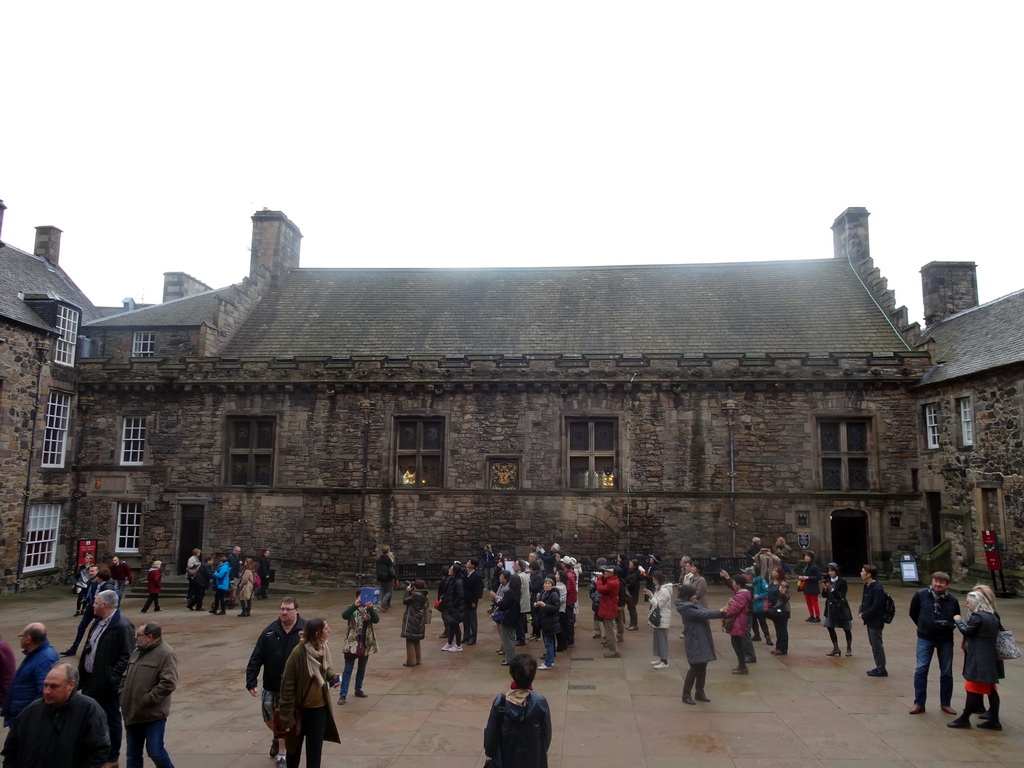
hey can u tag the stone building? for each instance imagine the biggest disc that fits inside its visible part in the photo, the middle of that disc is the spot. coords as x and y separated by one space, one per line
971 441
325 412
41 311
673 409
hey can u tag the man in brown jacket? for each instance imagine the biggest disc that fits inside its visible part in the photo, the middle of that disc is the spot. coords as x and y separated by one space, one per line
146 688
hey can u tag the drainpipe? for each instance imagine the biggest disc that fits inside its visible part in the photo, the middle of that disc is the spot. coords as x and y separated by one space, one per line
42 347
729 406
365 406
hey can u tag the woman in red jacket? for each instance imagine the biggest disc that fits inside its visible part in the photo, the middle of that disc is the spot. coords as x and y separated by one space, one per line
153 586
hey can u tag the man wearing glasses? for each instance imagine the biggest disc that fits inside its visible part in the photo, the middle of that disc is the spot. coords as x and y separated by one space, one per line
273 647
146 688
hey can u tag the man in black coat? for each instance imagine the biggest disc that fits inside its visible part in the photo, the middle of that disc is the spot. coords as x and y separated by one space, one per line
108 646
273 647
932 609
473 587
872 613
63 729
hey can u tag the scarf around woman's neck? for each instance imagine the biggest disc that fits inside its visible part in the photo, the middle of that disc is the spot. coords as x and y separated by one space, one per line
318 661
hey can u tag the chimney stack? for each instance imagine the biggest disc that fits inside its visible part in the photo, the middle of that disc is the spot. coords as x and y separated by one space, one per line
948 287
48 244
275 244
850 236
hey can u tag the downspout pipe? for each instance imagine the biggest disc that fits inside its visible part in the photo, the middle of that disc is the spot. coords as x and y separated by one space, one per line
42 348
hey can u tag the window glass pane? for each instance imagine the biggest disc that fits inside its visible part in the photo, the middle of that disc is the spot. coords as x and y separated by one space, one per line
243 434
829 431
407 436
832 474
579 472
604 436
129 524
858 469
431 469
579 436
264 434
264 469
432 434
239 470
605 471
407 471
857 436
58 409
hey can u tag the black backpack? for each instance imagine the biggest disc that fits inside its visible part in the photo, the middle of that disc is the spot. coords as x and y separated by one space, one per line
890 608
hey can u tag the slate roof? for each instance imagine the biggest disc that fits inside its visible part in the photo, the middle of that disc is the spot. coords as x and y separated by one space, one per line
28 273
814 306
186 311
978 339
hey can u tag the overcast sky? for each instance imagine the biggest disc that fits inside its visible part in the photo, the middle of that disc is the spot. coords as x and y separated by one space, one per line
476 134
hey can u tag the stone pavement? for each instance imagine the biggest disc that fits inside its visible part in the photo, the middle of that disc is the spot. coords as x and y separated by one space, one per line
800 711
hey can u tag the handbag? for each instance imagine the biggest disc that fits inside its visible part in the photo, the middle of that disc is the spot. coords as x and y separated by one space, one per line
655 618
498 616
280 731
1006 646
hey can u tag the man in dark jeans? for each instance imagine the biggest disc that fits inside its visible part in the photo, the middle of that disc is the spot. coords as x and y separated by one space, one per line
872 613
108 646
932 609
473 584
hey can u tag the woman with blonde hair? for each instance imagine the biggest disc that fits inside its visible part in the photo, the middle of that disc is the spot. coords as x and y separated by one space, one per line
246 586
308 673
981 672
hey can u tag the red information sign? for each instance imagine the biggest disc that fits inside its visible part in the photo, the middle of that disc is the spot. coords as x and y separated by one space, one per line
991 544
86 547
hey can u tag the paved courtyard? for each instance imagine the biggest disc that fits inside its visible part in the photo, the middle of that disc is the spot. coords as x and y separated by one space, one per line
798 711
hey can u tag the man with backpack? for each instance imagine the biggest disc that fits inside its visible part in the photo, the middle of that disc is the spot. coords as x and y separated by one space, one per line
873 614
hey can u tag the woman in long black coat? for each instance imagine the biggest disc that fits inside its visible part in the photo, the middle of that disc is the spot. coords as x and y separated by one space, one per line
453 604
838 613
981 665
414 621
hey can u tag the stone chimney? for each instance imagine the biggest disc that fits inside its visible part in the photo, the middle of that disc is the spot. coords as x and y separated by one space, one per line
948 287
178 285
48 244
850 236
275 244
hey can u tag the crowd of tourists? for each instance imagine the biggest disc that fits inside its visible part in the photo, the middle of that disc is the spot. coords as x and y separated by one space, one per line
61 713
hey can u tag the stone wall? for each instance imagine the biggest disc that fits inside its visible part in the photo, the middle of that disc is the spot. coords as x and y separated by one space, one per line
673 493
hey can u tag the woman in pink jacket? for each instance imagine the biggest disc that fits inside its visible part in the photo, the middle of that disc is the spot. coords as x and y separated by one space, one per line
737 613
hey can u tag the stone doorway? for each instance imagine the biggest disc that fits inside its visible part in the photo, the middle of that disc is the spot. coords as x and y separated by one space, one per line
191 533
849 540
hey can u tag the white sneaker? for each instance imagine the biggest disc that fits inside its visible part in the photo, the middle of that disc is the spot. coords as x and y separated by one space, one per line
446 647
546 666
656 662
660 665
455 648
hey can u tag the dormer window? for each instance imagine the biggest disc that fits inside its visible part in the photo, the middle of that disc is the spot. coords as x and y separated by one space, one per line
67 326
144 344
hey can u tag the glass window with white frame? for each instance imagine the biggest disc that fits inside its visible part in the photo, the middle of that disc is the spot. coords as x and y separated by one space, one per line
67 326
41 537
931 425
55 435
133 441
129 526
144 344
965 410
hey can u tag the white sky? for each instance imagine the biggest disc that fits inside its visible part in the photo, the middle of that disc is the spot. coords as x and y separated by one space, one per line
506 134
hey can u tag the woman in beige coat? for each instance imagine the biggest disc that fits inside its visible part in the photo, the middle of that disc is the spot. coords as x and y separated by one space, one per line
246 586
308 673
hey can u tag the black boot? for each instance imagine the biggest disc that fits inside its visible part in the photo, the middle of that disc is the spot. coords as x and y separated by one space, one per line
973 704
991 717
